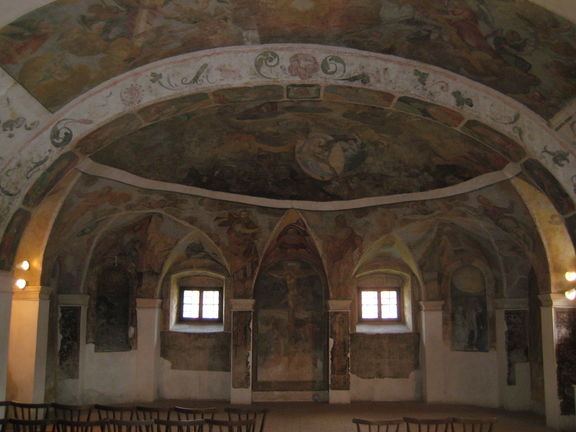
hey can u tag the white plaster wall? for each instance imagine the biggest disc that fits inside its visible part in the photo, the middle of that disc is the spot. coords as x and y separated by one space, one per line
110 378
470 378
386 389
518 397
67 392
193 385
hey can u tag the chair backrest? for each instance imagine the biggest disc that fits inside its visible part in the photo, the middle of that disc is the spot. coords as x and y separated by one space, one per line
184 413
151 413
4 424
468 424
179 425
130 425
363 425
256 414
79 426
29 411
428 424
108 412
4 409
30 425
71 412
231 425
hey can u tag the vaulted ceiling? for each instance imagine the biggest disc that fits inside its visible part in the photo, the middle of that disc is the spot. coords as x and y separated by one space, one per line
296 100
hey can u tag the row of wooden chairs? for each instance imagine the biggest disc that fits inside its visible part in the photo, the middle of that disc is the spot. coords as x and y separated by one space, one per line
198 425
411 424
85 413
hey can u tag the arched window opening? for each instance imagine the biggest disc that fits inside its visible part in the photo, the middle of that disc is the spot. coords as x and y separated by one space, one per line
384 302
196 302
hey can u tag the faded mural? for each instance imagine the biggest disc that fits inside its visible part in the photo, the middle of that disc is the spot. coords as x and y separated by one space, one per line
291 263
469 310
517 341
113 310
69 346
290 328
59 51
318 151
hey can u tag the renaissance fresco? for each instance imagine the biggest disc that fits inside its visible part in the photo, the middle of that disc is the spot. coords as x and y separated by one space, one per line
59 51
314 150
290 330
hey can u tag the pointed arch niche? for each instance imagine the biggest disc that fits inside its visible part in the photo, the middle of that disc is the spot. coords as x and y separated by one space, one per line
290 338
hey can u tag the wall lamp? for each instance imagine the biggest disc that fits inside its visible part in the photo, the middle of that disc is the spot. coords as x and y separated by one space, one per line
21 283
570 276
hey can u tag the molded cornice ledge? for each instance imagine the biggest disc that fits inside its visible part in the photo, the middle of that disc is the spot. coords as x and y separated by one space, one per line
431 305
73 299
238 305
148 303
556 300
511 303
33 293
339 305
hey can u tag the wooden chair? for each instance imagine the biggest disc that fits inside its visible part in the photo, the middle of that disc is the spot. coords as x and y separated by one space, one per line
151 413
78 413
4 409
108 412
179 425
467 424
79 426
256 414
4 424
29 411
428 424
130 425
363 425
231 425
30 425
183 413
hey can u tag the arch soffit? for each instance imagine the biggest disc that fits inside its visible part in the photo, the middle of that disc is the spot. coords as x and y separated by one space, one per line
82 121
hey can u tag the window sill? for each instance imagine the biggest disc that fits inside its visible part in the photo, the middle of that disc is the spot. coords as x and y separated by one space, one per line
382 328
199 327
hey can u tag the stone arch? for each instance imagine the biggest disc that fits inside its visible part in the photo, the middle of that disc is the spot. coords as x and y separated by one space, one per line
67 131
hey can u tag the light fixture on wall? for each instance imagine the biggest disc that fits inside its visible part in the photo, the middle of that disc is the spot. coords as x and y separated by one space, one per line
21 283
24 265
570 276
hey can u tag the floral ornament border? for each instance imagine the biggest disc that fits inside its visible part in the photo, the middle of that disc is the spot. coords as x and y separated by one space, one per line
306 66
257 65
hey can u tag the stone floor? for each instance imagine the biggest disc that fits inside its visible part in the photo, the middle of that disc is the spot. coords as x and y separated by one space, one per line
320 417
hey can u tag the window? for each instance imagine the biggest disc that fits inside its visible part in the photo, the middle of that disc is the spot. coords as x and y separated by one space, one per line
380 304
200 304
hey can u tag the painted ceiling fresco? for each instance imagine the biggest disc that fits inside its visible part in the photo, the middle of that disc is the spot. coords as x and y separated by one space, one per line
495 217
59 51
317 151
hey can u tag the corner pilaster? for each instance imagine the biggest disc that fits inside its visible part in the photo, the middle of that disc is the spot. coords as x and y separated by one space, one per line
432 353
241 352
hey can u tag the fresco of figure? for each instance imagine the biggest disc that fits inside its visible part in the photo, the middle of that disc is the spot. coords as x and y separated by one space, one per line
242 252
469 311
291 327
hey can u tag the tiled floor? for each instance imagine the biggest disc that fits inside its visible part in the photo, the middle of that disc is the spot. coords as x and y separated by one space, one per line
321 417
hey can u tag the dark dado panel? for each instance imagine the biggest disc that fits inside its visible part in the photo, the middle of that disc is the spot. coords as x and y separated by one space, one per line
384 355
197 351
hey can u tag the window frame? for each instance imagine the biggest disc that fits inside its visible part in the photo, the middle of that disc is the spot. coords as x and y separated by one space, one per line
380 320
181 319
